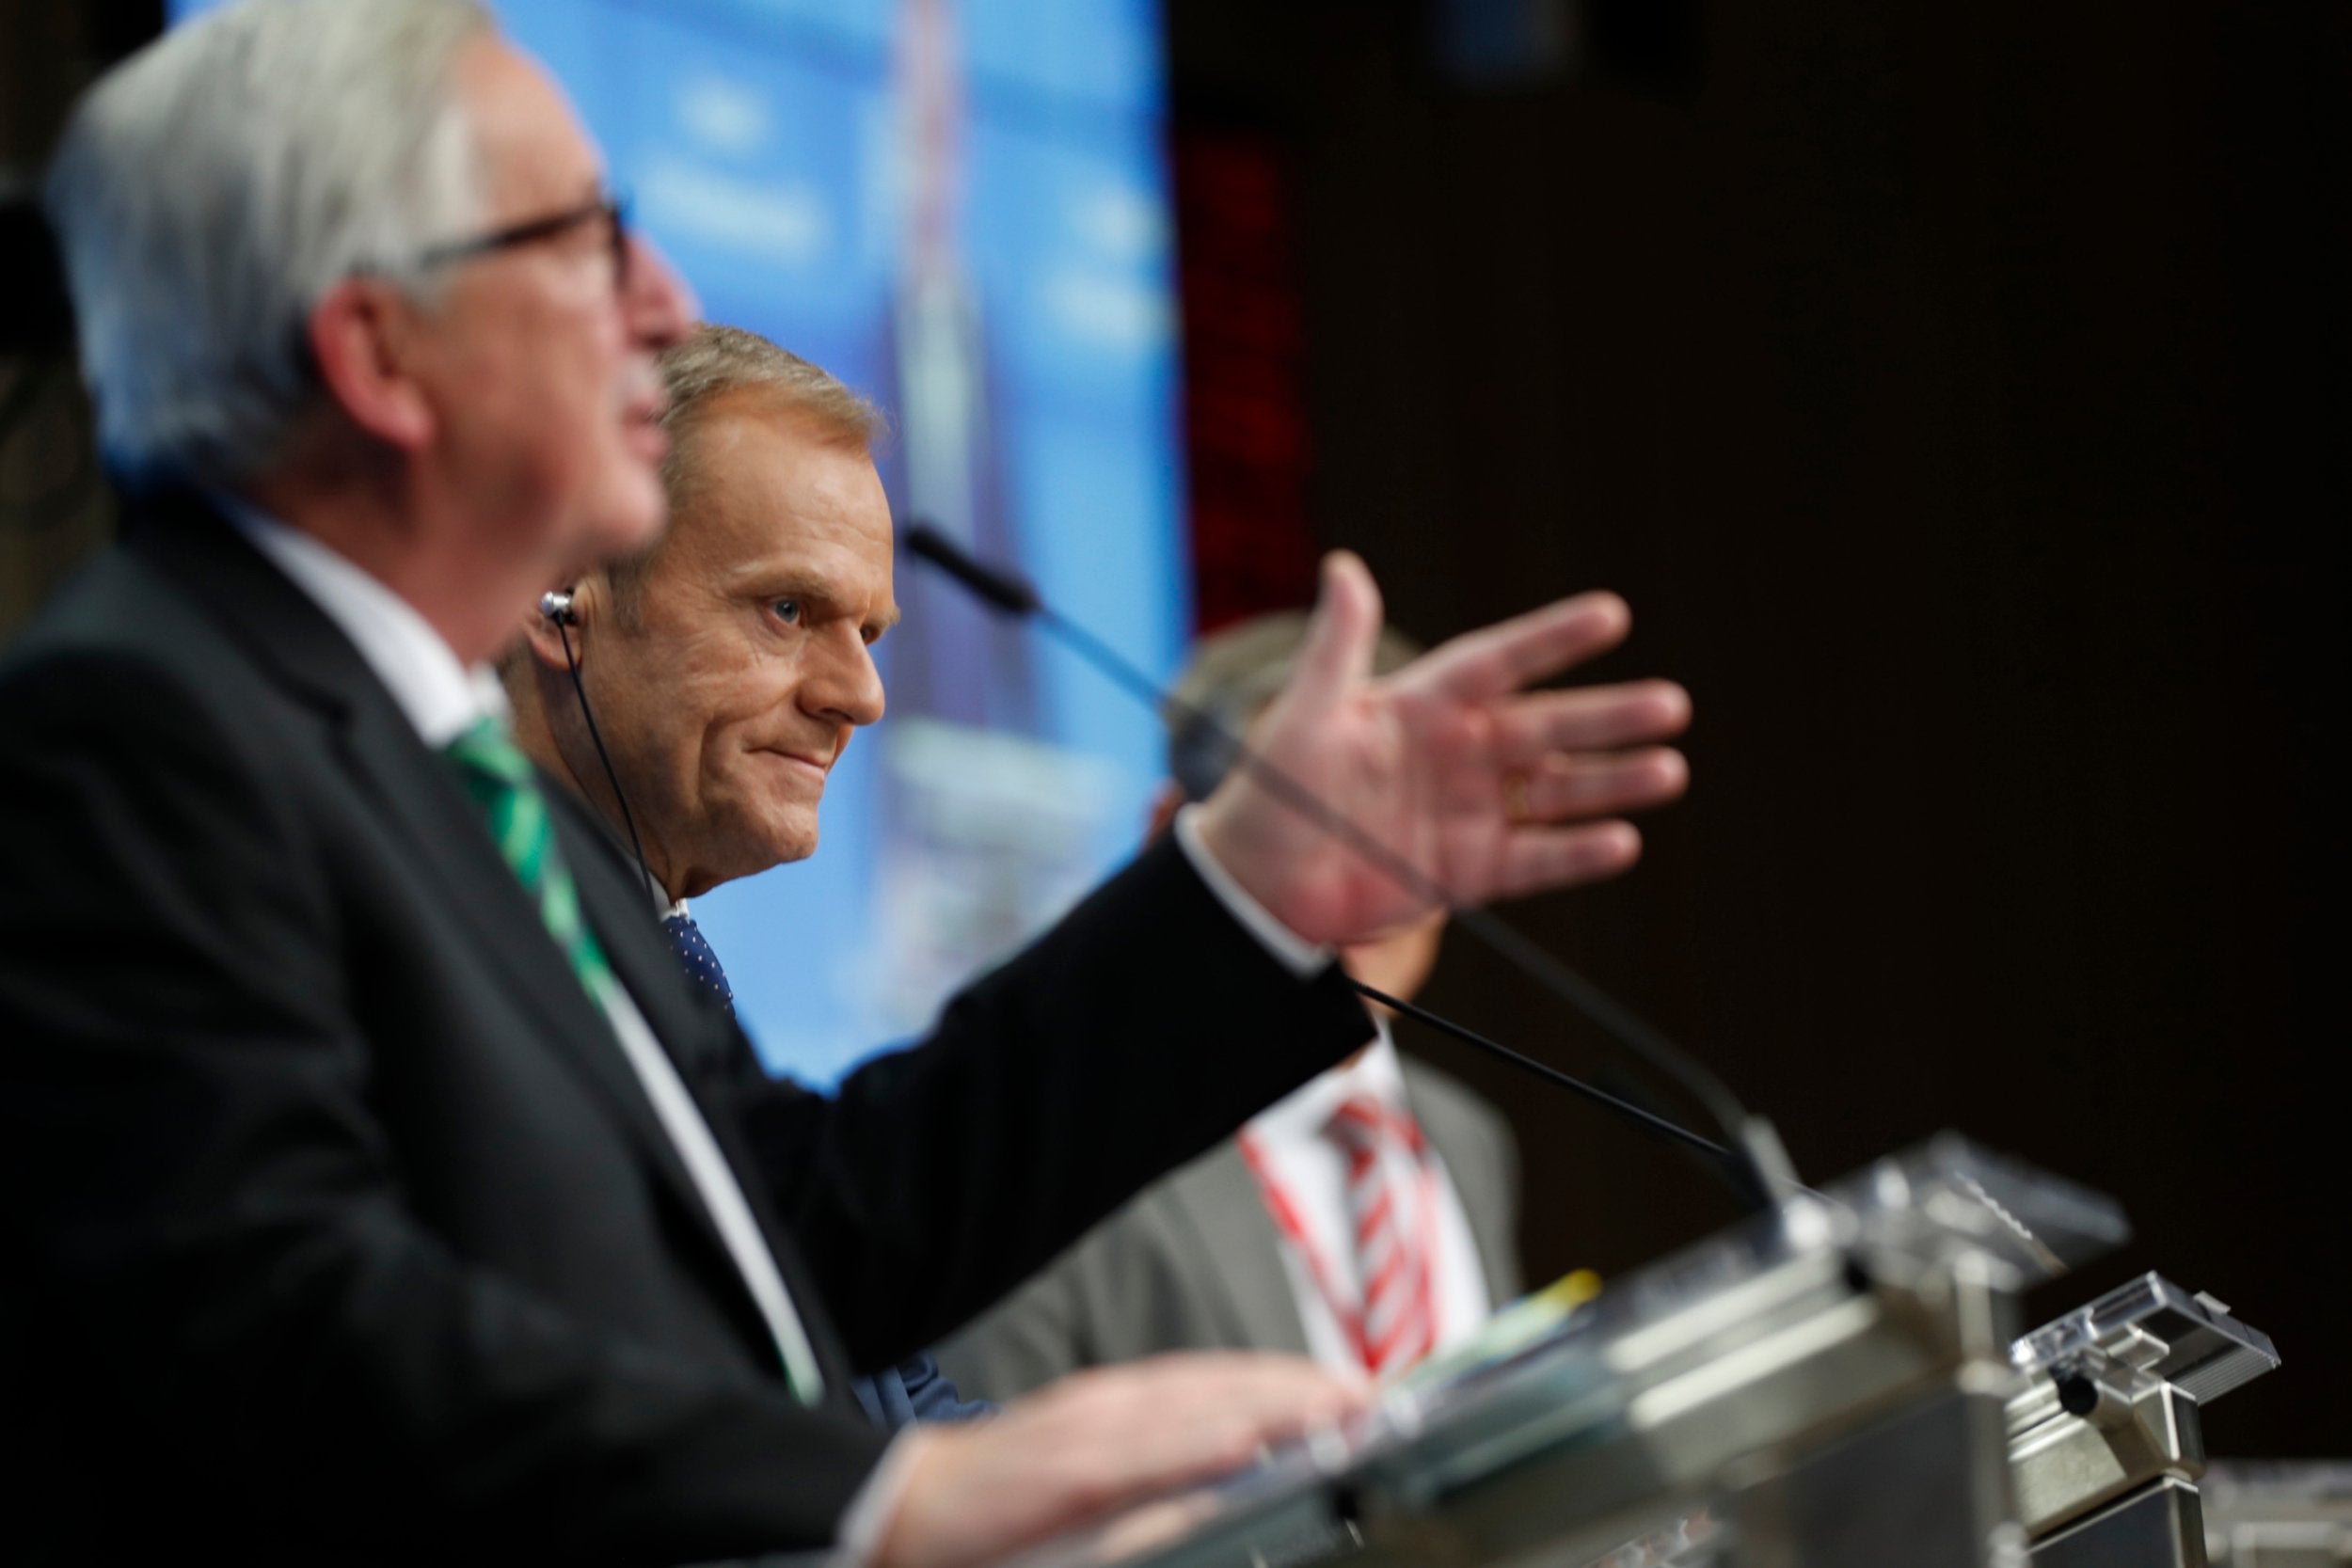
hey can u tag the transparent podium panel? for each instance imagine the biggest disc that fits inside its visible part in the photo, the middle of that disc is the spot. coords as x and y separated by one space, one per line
2105 1436
2279 1515
1825 1385
2162 1523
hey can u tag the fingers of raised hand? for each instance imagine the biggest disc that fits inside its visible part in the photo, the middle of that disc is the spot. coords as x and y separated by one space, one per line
1562 786
1533 859
1511 653
1340 637
1589 719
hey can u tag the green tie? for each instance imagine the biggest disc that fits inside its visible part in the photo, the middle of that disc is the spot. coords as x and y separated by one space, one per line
497 774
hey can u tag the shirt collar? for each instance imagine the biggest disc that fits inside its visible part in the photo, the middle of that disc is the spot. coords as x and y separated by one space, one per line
441 697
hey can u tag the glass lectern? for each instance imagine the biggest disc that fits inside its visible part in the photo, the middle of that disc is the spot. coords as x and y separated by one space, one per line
1839 1385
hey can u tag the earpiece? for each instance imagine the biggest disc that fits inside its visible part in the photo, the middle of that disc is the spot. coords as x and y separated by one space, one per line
557 607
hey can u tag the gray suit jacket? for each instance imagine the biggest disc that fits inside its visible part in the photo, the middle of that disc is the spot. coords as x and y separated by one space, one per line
1194 1262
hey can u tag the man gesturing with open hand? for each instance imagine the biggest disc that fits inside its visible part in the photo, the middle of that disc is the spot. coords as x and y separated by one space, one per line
1484 788
1363 802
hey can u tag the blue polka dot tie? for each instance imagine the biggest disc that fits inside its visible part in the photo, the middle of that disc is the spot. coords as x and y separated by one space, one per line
701 962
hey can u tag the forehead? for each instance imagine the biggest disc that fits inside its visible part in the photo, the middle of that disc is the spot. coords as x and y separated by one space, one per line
778 493
534 152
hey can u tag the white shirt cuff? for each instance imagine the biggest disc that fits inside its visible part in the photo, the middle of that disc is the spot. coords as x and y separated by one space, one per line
1291 950
868 1518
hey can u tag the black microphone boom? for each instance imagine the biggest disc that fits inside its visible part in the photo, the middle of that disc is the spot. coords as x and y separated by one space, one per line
1000 590
1754 1159
1674 1131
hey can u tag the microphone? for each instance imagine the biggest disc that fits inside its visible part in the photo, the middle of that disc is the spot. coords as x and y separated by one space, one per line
1000 591
1642 1118
1753 1157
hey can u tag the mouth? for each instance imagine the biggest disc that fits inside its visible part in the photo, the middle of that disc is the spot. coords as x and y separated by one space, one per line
642 407
815 768
648 442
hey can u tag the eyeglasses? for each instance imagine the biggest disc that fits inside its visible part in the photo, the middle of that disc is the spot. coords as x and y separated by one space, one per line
611 209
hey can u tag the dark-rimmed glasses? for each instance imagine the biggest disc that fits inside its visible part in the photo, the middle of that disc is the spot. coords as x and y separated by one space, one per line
612 208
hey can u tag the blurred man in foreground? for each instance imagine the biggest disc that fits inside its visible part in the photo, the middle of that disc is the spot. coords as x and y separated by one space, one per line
1365 1219
382 1191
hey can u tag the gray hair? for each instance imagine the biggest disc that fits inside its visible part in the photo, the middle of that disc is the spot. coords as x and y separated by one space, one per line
211 190
1231 676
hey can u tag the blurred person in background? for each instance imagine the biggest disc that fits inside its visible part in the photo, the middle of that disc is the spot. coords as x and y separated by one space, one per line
1367 1219
383 1189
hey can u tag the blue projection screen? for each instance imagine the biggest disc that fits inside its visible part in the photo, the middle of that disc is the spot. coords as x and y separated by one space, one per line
962 211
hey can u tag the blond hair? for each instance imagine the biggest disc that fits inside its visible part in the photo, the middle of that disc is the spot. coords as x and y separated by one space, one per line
714 365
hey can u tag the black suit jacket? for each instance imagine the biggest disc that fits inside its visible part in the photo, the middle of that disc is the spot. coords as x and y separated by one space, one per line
339 1226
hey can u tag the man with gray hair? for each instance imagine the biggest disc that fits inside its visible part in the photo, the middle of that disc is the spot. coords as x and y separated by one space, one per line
381 1190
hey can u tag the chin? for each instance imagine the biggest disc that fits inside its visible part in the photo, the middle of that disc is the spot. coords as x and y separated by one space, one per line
640 527
629 515
785 847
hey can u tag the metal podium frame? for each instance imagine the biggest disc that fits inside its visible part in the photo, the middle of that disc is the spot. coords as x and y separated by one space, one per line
2106 1437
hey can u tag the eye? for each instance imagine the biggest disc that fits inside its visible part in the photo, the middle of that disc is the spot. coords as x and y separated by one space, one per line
787 611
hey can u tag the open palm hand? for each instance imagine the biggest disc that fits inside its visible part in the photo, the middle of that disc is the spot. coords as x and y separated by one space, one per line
1483 788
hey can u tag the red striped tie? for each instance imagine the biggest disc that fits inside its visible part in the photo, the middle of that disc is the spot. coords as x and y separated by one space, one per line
1399 1322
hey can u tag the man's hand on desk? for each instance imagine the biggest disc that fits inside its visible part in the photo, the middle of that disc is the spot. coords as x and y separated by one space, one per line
1094 1443
1491 790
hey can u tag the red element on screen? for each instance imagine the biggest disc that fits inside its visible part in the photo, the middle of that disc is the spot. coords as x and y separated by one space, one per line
1253 547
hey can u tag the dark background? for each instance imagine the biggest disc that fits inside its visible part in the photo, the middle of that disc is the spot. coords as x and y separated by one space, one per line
1958 394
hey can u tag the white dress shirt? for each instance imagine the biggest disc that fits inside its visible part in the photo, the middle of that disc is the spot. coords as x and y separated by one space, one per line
1297 1152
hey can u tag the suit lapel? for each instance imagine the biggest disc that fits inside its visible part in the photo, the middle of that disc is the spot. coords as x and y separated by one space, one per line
417 796
1240 1252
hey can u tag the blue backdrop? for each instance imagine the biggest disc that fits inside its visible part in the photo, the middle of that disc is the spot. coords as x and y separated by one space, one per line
961 210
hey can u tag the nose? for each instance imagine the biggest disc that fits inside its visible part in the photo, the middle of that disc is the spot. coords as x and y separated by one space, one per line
845 688
659 308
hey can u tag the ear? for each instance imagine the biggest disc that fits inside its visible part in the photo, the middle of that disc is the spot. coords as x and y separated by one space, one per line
359 332
547 641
